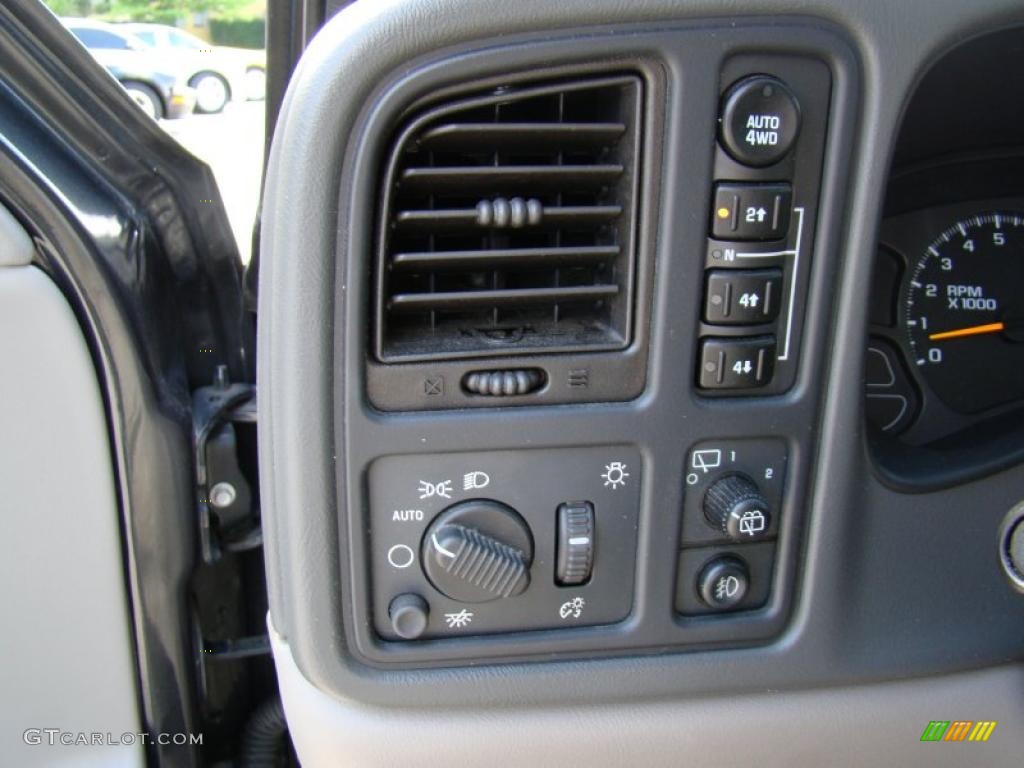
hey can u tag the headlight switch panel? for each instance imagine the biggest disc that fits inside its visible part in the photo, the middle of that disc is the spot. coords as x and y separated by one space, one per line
504 541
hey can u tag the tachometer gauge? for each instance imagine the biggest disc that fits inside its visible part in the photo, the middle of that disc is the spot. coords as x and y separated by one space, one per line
964 312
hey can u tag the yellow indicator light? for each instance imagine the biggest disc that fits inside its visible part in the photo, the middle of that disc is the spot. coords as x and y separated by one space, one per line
724 213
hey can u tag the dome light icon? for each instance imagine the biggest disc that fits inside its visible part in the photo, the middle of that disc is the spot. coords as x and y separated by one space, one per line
615 474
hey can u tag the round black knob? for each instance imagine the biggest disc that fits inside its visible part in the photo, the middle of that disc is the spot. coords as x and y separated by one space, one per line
409 614
734 505
478 551
723 583
1011 548
760 120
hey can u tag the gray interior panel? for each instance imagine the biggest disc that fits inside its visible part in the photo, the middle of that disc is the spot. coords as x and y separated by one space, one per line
67 657
877 724
15 244
871 610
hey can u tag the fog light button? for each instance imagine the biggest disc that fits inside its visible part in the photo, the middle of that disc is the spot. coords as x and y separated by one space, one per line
723 583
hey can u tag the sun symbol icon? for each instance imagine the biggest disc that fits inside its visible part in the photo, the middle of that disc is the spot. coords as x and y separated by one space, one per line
615 474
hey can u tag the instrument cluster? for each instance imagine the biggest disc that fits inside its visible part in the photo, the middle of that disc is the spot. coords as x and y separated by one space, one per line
945 352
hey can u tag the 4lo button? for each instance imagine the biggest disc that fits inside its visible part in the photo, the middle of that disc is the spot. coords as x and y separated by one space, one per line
736 363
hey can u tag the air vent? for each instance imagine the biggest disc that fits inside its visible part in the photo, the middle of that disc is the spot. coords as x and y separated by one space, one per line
507 224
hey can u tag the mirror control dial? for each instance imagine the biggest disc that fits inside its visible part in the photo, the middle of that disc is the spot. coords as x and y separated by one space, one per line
735 505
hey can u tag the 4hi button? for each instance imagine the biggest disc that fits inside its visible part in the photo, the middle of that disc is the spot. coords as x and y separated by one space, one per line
760 120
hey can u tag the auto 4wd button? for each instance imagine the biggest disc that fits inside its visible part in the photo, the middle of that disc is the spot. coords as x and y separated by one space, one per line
760 120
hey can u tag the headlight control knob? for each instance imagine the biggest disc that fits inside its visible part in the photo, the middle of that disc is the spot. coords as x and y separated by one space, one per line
478 551
735 506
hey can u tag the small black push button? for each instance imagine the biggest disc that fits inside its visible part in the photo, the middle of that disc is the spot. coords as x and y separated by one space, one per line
760 120
723 583
575 543
742 296
738 363
409 614
751 211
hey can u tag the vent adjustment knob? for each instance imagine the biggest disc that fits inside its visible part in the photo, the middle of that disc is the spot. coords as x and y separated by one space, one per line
478 551
511 383
735 506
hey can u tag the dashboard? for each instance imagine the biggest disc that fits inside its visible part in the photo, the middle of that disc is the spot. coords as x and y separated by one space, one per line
636 384
636 355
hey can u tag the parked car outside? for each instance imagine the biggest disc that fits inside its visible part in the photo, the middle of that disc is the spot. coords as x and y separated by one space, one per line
159 88
218 73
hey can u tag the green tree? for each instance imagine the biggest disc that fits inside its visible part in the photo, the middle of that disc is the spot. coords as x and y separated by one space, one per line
150 10
171 9
71 7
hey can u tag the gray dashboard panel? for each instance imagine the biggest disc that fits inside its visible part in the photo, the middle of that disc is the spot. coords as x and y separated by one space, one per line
877 724
876 589
668 416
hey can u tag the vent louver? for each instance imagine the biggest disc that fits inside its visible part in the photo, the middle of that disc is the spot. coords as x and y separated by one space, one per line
507 224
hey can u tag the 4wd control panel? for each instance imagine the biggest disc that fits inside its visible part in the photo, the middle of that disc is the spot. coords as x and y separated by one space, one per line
764 197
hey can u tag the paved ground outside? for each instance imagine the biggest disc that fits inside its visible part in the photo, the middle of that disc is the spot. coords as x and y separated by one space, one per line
231 143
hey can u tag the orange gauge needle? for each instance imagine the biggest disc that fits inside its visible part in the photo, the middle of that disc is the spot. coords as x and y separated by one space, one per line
974 330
